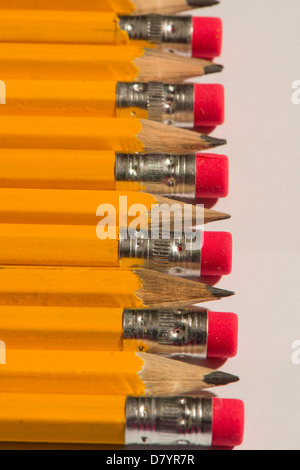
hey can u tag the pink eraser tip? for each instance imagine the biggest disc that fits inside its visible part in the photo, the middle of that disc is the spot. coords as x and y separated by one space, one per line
216 254
212 175
222 335
228 423
209 107
207 37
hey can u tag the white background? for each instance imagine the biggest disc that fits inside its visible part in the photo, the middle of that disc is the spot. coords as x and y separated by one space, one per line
261 58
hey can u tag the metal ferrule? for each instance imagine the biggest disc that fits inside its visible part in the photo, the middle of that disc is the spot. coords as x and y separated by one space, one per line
168 332
159 173
175 33
167 103
176 255
169 421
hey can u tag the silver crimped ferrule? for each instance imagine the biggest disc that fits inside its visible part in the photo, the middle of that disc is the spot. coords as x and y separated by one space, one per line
169 421
175 255
168 332
159 173
166 103
174 32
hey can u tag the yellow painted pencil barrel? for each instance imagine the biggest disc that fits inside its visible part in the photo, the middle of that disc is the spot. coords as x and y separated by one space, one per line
72 207
62 418
61 27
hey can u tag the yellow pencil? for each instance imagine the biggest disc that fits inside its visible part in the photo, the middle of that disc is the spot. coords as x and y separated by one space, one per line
94 62
90 133
75 207
208 254
184 105
103 373
163 174
138 7
196 36
116 420
166 332
99 287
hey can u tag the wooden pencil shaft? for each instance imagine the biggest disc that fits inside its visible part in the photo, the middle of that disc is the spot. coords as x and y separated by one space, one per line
119 6
99 287
99 373
91 133
94 62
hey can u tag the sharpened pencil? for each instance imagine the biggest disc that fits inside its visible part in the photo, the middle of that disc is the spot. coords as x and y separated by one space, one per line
93 62
99 287
73 207
122 135
104 373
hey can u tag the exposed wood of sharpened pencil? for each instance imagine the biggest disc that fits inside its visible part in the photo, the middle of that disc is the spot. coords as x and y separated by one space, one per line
98 287
104 373
80 207
172 67
125 7
84 133
156 287
155 135
206 216
94 62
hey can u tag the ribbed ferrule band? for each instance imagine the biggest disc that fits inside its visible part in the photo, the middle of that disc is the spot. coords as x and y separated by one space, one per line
158 173
168 332
176 255
158 29
169 421
166 103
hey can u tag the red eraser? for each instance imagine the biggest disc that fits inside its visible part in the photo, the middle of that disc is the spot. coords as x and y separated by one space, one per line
207 37
212 175
222 339
216 254
228 422
209 105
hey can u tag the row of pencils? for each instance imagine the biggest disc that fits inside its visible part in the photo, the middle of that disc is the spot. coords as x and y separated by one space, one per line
102 145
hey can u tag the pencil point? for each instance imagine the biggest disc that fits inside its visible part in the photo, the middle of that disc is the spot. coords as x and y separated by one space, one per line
220 293
220 378
213 141
215 216
214 68
202 3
